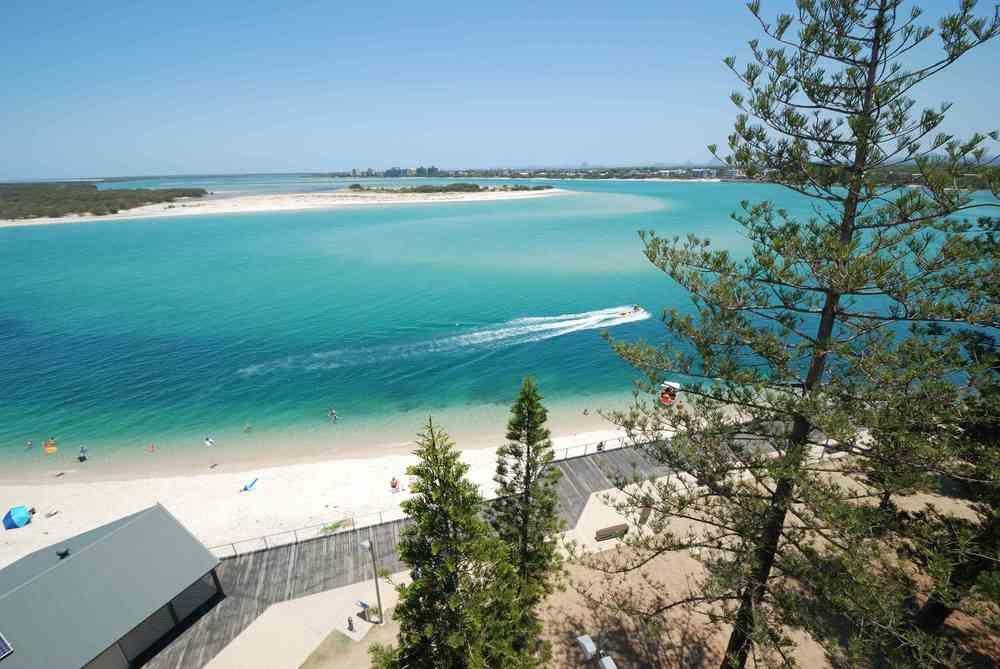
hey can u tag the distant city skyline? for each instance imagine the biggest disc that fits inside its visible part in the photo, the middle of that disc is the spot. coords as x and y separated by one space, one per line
407 171
232 88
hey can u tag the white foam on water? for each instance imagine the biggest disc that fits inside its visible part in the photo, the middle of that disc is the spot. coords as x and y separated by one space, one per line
511 333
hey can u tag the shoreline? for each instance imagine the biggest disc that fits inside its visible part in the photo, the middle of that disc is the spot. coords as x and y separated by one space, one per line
211 505
278 202
471 426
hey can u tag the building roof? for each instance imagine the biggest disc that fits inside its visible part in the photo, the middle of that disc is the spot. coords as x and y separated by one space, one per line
64 612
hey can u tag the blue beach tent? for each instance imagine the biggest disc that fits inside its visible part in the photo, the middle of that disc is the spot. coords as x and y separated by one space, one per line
18 516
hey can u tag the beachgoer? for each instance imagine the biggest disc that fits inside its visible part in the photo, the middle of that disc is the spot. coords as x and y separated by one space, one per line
350 624
332 415
82 456
394 484
209 441
29 445
152 447
600 446
247 429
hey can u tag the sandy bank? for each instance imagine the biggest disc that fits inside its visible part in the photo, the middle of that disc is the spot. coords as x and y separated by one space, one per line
212 506
246 204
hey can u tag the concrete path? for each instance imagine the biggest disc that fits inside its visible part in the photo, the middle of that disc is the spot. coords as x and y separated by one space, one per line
287 633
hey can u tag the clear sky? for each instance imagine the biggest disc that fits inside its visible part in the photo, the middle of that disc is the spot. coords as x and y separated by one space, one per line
141 87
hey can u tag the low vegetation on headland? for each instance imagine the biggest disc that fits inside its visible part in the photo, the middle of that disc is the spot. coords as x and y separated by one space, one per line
36 200
460 187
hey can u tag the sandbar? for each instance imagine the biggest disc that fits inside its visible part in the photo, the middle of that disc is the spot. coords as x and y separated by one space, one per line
246 204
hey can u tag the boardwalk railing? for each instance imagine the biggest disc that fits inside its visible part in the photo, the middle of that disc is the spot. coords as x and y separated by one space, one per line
350 521
345 523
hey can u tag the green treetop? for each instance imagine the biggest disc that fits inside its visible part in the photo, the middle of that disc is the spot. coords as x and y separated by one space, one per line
524 514
458 610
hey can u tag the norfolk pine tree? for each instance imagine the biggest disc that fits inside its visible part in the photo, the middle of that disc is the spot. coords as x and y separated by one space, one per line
524 513
459 610
797 356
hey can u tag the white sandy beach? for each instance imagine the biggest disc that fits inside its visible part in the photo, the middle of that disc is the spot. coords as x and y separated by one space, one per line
247 204
211 505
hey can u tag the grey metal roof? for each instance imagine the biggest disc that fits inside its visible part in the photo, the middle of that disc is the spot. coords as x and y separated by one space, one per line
63 613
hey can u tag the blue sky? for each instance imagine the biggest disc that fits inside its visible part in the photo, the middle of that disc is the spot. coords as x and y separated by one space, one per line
134 87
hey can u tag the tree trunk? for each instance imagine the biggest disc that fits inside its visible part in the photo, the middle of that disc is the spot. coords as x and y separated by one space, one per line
741 638
521 640
525 512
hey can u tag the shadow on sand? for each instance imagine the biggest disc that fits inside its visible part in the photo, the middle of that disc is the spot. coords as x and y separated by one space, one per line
679 641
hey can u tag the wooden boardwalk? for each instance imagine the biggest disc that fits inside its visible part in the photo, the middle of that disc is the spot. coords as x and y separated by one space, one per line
254 581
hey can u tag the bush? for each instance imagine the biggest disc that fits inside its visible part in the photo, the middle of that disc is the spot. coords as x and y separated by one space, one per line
32 200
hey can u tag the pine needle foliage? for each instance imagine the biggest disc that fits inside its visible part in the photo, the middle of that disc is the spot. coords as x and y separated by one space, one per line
524 515
820 367
459 611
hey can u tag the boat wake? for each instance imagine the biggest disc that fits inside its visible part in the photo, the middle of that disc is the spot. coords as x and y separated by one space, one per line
510 333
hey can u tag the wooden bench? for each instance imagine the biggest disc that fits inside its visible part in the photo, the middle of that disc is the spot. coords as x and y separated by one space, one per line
613 532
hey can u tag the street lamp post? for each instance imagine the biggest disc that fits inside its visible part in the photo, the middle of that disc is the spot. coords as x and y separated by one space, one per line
378 595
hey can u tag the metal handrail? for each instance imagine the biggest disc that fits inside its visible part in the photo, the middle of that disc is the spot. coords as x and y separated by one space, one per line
350 521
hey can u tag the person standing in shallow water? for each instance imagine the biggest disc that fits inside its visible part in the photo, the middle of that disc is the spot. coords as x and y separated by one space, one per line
332 415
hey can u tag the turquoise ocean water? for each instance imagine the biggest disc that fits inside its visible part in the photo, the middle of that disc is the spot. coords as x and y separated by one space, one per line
118 334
